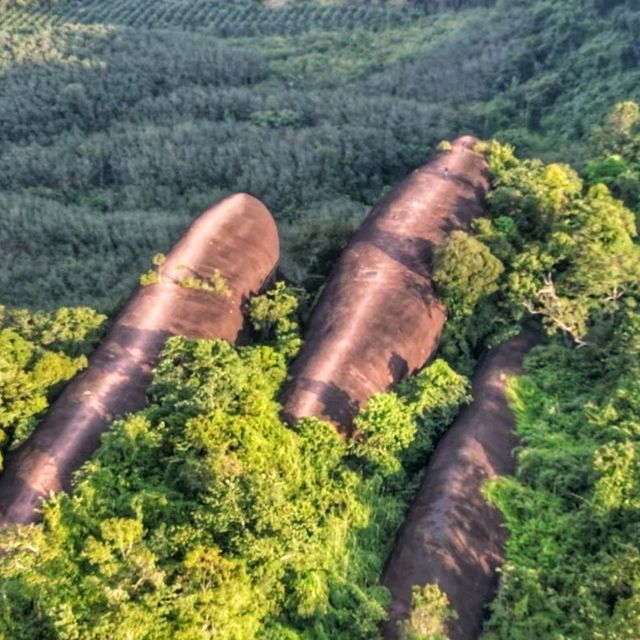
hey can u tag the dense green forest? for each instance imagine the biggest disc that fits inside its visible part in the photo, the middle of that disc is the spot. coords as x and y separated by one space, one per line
205 515
564 252
573 560
120 121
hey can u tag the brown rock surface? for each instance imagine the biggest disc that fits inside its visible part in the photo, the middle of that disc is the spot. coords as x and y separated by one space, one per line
377 319
238 237
452 536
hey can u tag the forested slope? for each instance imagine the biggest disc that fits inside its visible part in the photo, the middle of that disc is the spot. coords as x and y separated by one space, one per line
205 515
115 131
568 256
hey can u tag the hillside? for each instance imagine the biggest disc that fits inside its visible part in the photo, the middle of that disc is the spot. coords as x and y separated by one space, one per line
179 522
424 425
120 121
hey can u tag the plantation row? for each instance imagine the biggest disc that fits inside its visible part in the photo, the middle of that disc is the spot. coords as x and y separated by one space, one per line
140 129
223 19
83 78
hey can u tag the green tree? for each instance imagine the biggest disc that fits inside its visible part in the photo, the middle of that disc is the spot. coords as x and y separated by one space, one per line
618 162
465 271
273 315
39 352
467 275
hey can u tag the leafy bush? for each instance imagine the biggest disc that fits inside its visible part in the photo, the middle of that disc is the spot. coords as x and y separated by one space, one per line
154 275
216 284
466 274
618 162
273 315
39 352
430 610
205 514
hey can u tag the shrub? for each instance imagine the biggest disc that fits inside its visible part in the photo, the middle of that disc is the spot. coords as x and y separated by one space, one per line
430 611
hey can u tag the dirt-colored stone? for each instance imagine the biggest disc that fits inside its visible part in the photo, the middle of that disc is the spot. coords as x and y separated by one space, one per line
377 319
238 237
452 536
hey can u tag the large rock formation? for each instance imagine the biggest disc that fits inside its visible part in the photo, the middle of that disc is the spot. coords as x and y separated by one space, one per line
236 238
377 319
452 536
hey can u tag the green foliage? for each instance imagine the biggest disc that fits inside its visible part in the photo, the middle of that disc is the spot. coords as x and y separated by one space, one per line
73 331
618 469
569 253
216 283
121 121
571 258
158 260
150 277
618 162
434 397
206 515
154 275
466 274
313 243
572 565
382 430
465 271
276 119
272 314
621 129
430 611
395 431
38 353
